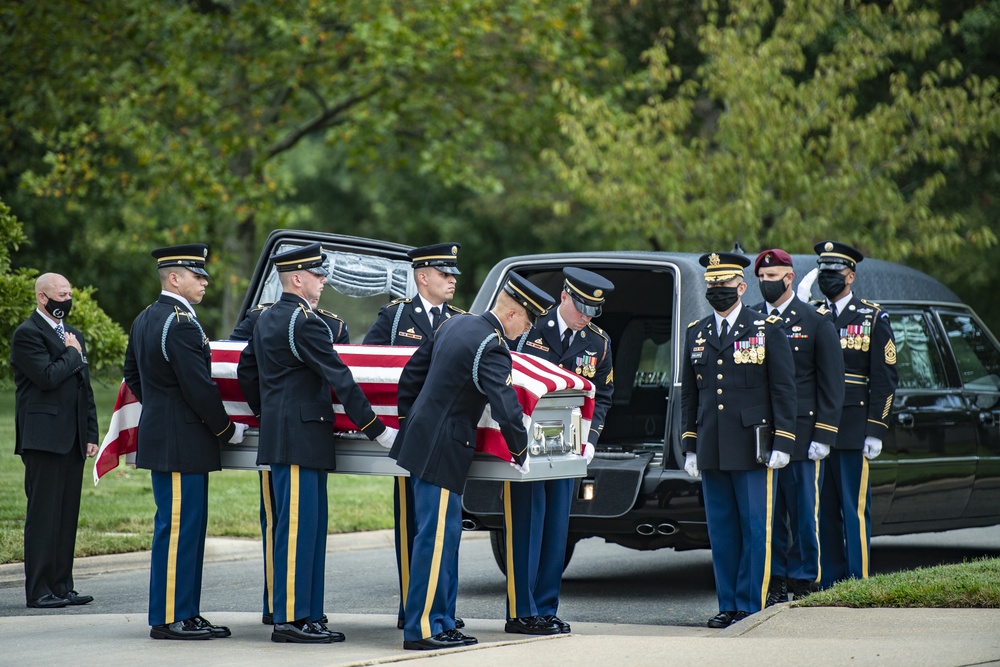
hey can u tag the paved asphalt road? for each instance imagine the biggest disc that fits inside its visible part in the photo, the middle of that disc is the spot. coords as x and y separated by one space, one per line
604 583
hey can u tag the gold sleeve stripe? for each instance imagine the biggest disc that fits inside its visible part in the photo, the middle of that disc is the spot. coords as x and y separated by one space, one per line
888 404
875 421
785 434
689 434
826 427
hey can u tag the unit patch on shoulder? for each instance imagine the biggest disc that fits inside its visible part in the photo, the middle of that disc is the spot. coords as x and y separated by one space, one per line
890 353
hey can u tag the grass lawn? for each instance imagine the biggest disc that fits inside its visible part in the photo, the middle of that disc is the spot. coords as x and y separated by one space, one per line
116 516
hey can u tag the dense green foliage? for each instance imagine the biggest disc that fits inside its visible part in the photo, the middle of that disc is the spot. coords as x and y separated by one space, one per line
510 126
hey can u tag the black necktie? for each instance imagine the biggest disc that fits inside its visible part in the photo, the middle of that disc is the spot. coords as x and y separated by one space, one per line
723 329
435 317
61 332
565 338
775 313
833 309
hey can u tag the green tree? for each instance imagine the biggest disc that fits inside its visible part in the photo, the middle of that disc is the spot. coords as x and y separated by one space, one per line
172 117
105 339
806 119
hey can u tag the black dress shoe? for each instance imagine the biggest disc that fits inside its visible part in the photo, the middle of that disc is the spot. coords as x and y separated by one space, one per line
267 619
777 592
721 620
300 632
440 640
334 635
531 625
800 588
186 629
75 598
48 602
563 625
218 631
465 639
459 623
740 615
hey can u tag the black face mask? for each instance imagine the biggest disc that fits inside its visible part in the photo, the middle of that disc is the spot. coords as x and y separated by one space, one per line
58 309
831 283
772 290
722 298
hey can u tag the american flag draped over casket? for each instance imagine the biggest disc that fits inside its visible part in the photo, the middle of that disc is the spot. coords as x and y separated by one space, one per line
376 369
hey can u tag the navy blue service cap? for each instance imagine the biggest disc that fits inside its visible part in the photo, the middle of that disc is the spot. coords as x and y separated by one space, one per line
304 258
721 267
587 289
442 256
535 301
834 256
191 256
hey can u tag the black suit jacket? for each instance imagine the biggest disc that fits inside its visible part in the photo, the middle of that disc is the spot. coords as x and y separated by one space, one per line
286 373
589 355
412 327
443 391
55 404
168 366
819 375
722 400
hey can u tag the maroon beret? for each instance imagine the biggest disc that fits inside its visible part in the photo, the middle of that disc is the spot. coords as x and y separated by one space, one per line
773 257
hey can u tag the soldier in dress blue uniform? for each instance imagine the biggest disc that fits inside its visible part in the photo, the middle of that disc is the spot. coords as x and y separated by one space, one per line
738 386
286 372
168 368
819 367
244 331
870 378
442 393
409 322
537 513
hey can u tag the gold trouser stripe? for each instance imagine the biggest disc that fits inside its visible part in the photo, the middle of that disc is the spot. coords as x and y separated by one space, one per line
766 582
293 541
862 497
175 535
265 493
404 539
432 579
508 522
817 466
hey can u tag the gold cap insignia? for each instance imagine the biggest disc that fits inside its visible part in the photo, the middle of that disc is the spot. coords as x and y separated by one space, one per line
598 293
828 247
713 259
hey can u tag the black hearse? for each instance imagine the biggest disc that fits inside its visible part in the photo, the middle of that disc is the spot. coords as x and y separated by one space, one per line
940 465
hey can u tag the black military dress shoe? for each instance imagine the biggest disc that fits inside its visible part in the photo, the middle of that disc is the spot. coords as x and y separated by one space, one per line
48 602
186 629
301 632
440 640
799 588
563 625
465 639
721 620
334 635
218 631
459 623
777 592
739 616
531 625
75 598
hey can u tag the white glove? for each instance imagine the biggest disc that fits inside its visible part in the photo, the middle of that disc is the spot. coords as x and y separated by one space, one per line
238 434
873 447
818 451
588 452
778 460
523 469
387 437
691 464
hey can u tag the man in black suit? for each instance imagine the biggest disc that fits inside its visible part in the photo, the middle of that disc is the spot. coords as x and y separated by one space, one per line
408 322
869 350
286 373
737 388
442 393
56 427
244 331
183 423
819 384
537 513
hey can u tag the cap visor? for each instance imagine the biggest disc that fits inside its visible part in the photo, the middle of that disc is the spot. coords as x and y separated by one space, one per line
587 309
198 270
827 265
319 271
453 270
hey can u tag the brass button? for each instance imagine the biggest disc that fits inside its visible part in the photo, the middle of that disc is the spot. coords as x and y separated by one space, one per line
719 362
718 391
719 376
720 406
